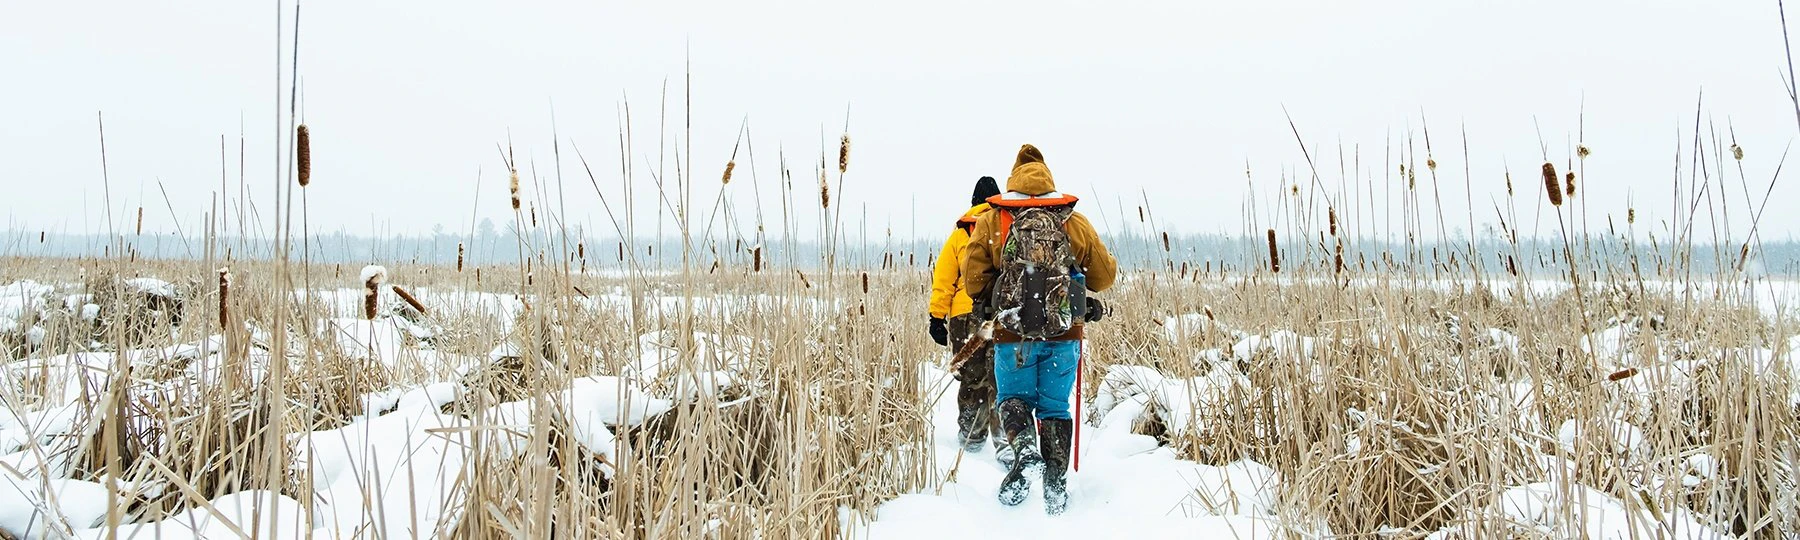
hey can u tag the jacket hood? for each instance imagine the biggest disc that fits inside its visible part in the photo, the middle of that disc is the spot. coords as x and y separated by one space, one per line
1030 175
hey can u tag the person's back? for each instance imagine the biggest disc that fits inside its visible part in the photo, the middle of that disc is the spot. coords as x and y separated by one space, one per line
1026 261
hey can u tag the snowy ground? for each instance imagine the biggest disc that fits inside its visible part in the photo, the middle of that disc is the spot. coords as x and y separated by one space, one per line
1128 487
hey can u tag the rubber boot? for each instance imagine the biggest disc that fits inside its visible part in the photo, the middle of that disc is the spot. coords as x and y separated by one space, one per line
1058 434
1015 418
972 430
1007 450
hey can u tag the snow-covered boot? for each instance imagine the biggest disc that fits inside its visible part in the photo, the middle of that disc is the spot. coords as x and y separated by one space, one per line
1022 448
972 430
1057 433
1015 418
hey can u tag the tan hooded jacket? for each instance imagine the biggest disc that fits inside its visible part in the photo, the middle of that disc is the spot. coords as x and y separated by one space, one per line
1031 185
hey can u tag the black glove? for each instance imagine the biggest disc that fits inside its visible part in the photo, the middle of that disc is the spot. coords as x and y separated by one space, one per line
1095 310
939 331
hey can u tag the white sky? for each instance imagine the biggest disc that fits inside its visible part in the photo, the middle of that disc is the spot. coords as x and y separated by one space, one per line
407 99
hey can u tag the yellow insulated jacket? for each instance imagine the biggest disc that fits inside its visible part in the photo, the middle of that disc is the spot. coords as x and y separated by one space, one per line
948 299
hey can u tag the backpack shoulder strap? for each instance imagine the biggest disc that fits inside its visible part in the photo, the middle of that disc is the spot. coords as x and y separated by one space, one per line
1006 221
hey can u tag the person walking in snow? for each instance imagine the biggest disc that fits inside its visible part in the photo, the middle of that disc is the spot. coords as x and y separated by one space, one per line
1032 260
952 324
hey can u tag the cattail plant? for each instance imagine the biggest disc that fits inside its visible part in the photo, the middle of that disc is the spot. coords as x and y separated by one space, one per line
1274 256
1165 240
224 298
514 188
824 191
372 276
865 282
1581 151
729 165
1737 152
1509 189
1140 213
756 259
1569 183
581 250
532 209
803 280
1551 187
410 300
140 220
1331 218
303 139
459 257
1630 216
844 154
1338 259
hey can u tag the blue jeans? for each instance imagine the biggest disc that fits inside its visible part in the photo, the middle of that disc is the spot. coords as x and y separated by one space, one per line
1045 378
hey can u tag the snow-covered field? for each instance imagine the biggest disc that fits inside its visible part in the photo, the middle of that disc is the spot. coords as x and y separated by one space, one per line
1192 427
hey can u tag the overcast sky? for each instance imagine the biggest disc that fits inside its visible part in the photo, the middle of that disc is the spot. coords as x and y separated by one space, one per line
407 100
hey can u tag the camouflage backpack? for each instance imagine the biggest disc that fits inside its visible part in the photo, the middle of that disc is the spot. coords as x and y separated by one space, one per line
1033 292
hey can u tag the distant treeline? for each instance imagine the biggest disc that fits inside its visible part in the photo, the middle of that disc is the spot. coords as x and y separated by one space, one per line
1173 254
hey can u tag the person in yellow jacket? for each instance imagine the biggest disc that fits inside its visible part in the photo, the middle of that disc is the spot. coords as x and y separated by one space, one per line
952 324
1034 376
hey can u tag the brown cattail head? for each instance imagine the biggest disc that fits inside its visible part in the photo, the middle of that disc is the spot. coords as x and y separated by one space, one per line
1339 258
756 259
1430 163
1331 218
1509 191
224 297
303 139
372 276
1569 183
533 212
41 237
140 220
1140 213
1630 216
824 190
803 280
1274 256
1622 374
514 188
865 282
621 251
408 297
1551 186
1165 238
844 154
1581 151
1737 152
459 257
581 249
729 165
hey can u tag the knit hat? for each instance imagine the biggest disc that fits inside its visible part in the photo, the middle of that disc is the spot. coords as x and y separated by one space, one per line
984 188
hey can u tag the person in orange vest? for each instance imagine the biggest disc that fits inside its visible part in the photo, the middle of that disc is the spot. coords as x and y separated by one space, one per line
1031 260
953 325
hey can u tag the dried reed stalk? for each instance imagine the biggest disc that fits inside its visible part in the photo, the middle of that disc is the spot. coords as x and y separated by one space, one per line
1551 187
303 139
410 300
1274 256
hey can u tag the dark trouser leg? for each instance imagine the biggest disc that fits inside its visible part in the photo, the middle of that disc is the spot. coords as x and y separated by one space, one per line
975 396
1057 435
1016 381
